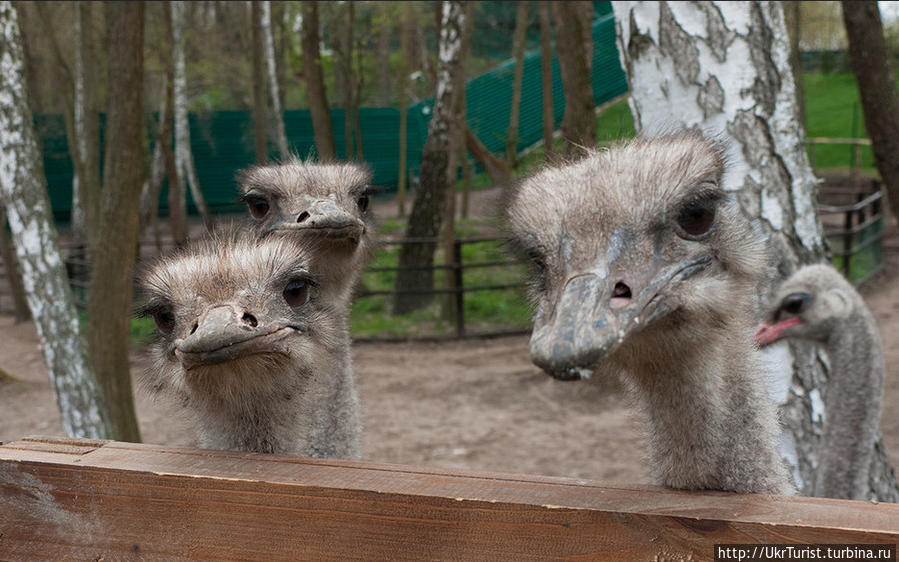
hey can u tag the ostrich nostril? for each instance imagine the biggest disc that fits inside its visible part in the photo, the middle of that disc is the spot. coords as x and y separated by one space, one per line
248 318
194 329
621 295
303 216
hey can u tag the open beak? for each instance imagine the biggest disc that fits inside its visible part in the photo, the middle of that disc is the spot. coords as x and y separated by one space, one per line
221 335
323 217
595 313
768 333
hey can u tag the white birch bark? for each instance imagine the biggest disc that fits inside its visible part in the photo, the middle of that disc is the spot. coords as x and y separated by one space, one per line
274 89
184 160
23 188
724 67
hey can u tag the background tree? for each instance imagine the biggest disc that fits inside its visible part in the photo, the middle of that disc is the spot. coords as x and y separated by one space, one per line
521 27
184 159
877 87
437 162
260 139
793 17
8 255
273 85
753 102
110 288
574 47
315 84
24 194
546 79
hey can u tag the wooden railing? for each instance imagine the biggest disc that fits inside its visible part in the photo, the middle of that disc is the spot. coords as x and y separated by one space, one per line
65 499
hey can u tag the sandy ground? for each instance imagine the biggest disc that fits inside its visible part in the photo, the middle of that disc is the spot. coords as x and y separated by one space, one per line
468 404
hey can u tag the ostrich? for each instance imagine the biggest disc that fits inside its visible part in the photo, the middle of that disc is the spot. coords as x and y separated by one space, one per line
327 205
643 266
252 345
816 303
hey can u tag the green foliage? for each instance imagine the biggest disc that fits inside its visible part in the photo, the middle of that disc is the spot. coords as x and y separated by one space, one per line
833 109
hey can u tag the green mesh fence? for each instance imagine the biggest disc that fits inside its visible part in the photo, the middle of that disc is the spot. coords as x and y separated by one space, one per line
222 141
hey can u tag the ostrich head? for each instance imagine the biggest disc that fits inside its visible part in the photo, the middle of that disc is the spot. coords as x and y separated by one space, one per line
636 247
811 304
325 202
238 320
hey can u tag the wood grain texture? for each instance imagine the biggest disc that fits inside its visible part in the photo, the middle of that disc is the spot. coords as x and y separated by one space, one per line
89 500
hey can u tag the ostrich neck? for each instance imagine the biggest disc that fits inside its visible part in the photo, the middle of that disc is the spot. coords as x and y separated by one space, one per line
711 424
317 417
852 408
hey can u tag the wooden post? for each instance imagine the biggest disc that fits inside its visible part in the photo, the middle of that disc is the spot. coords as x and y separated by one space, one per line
65 499
459 287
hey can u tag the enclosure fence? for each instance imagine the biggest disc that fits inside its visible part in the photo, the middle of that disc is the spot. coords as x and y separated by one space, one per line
79 499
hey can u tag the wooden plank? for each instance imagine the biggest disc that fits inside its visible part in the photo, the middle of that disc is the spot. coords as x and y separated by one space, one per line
128 501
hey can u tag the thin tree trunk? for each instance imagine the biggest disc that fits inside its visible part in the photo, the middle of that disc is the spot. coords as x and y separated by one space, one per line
415 260
402 96
348 81
13 275
259 120
274 89
521 27
110 288
579 120
315 85
177 198
793 14
495 167
723 79
23 187
870 59
149 197
382 46
456 134
184 159
359 85
546 80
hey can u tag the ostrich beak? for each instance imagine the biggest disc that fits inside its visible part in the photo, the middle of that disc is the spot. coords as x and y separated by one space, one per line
224 333
595 314
325 218
769 333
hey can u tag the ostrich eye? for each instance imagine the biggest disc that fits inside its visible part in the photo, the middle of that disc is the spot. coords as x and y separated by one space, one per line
697 218
296 293
362 202
258 206
165 320
795 303
538 260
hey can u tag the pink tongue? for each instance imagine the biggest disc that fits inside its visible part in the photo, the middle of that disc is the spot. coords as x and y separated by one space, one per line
770 333
618 302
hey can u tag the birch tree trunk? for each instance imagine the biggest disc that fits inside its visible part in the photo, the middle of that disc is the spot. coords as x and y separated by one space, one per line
24 192
184 159
724 67
415 260
315 84
110 288
546 80
877 87
573 35
13 273
521 27
273 87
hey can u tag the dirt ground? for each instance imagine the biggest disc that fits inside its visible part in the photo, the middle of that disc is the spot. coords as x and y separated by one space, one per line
476 404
